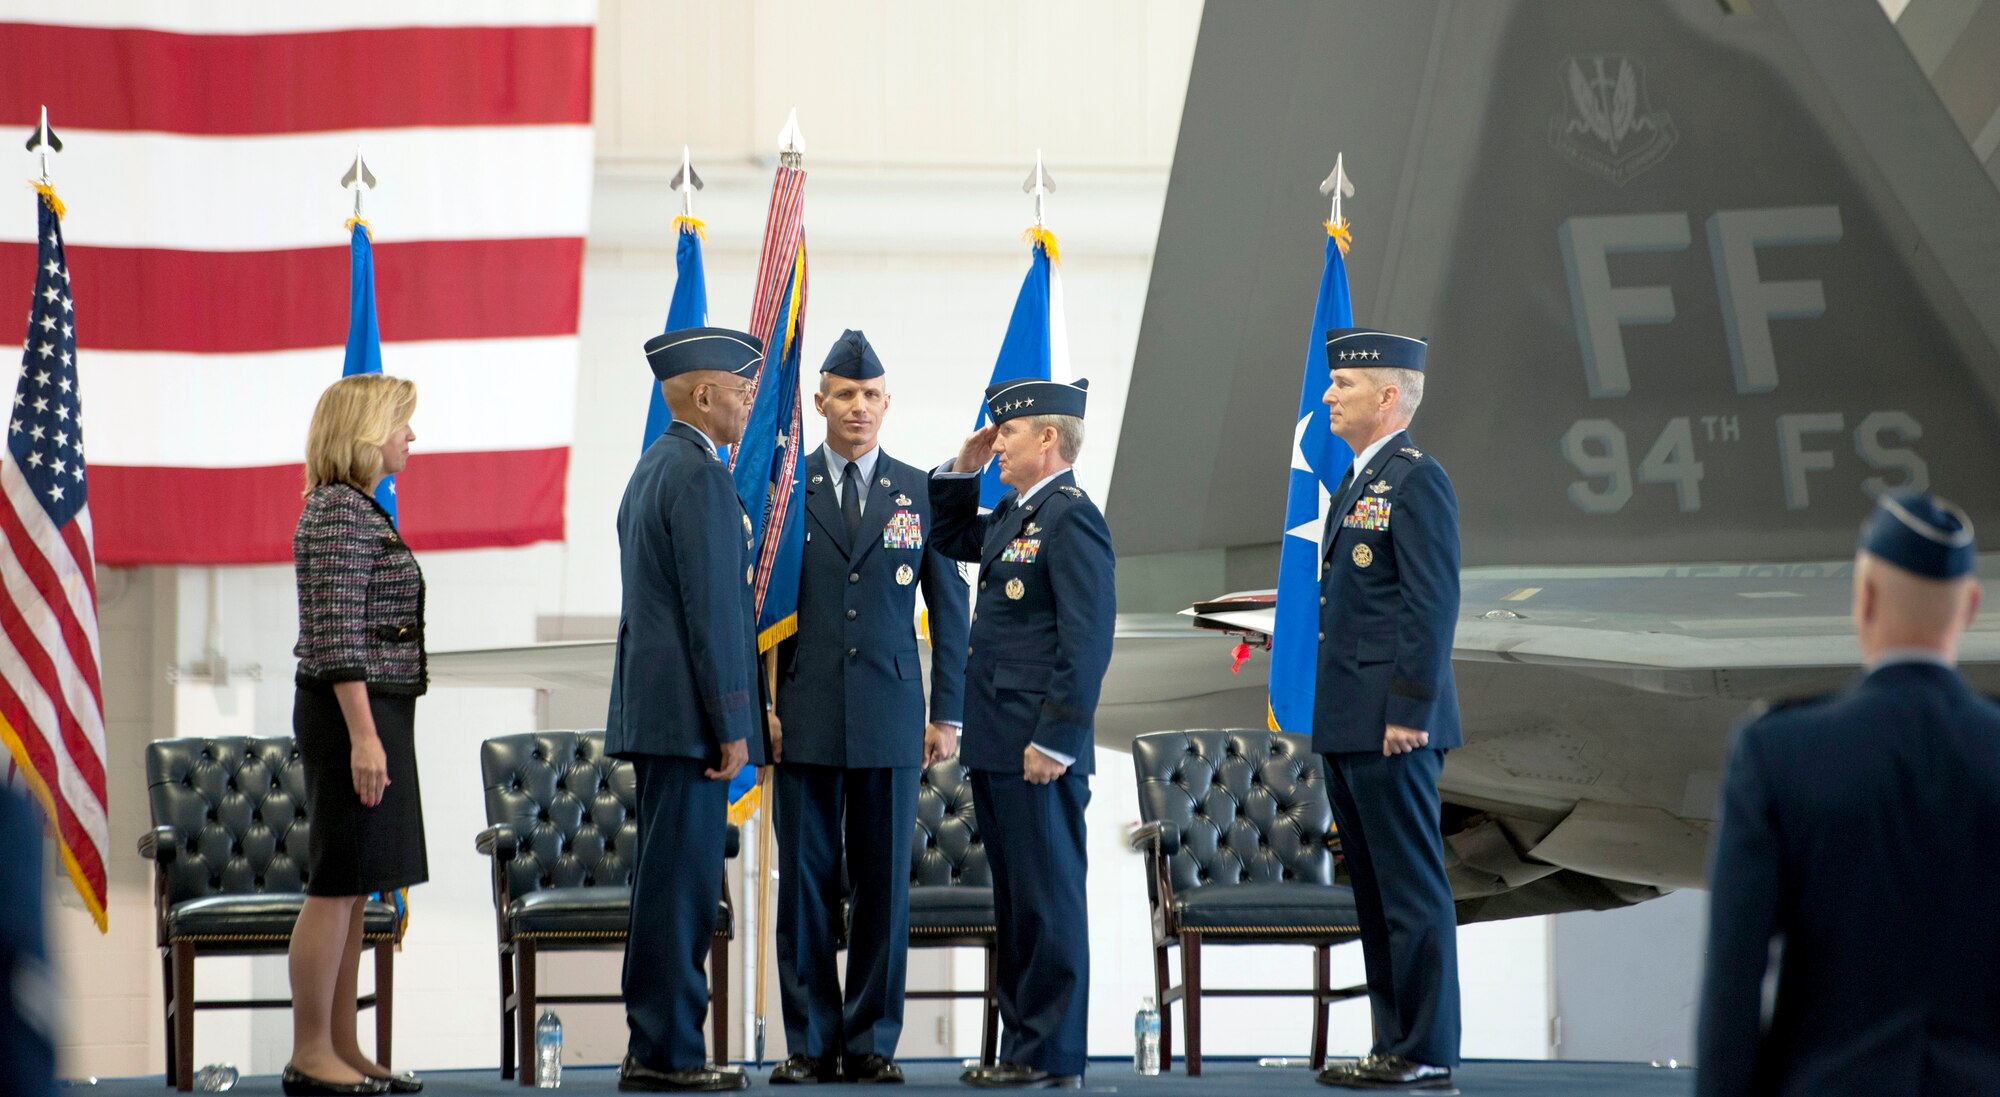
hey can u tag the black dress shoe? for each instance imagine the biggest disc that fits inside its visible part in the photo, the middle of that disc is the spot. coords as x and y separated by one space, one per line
1006 1075
635 1075
1387 1072
299 1084
403 1082
801 1069
873 1070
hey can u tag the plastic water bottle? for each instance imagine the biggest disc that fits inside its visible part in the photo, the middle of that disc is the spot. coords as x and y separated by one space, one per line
1146 1038
548 1050
215 1077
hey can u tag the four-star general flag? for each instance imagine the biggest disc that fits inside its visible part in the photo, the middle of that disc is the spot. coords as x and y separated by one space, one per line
207 143
687 309
766 463
364 334
1037 340
51 702
1319 459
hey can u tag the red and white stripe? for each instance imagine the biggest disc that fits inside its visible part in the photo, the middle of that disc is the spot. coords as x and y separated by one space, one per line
51 699
202 145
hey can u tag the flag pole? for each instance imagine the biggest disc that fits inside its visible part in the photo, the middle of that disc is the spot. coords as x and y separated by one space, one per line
766 841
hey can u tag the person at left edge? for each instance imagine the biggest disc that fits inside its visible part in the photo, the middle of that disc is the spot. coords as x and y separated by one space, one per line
27 994
854 733
687 706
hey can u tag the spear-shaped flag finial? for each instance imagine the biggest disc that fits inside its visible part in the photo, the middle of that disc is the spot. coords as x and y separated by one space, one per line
687 181
791 142
45 141
1040 184
1337 186
358 179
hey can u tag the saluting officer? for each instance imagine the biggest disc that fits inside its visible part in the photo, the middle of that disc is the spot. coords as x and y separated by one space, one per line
853 731
1385 708
1041 640
1851 839
686 705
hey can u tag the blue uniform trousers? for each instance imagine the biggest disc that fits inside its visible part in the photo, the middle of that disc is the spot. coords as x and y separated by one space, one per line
876 810
1387 810
1034 836
676 889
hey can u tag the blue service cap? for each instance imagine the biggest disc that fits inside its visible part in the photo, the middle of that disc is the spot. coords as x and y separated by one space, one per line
691 349
852 358
1366 347
1921 534
1034 396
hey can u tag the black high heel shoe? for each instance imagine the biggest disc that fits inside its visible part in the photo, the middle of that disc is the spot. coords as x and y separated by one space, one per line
296 1083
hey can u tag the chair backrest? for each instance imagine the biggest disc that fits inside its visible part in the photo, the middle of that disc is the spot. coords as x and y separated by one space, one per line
240 807
574 808
1251 805
947 849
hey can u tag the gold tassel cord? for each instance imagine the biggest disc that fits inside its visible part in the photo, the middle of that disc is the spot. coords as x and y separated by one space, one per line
353 221
1342 235
1036 234
49 198
692 224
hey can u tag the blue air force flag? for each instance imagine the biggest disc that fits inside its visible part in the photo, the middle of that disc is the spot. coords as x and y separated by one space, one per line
1319 459
687 309
1037 341
364 335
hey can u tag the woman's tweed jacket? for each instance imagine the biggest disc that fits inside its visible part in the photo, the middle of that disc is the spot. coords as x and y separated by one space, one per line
361 596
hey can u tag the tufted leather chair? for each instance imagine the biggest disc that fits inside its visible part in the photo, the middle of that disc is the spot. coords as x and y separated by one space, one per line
562 832
228 847
951 888
1238 836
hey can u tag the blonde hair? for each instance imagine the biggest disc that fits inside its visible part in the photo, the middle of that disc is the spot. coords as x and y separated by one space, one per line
355 416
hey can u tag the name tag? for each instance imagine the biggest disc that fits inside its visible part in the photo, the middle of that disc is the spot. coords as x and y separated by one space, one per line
1022 550
904 531
1371 512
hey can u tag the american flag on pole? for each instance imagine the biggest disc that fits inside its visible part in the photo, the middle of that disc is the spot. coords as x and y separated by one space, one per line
206 143
51 703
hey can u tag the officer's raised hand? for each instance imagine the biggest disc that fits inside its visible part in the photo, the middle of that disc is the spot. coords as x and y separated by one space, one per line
977 450
734 755
1038 768
1402 740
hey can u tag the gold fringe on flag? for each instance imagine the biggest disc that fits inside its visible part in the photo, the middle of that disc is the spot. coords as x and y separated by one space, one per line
1036 234
691 224
45 797
747 806
1341 235
353 221
48 194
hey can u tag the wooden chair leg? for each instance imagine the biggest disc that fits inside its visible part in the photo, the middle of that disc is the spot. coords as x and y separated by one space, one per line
385 999
1191 982
524 1009
989 1030
1322 980
183 1016
167 1012
1166 1008
718 998
506 1015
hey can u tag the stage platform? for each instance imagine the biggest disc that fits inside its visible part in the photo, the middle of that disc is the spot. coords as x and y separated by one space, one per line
1480 1078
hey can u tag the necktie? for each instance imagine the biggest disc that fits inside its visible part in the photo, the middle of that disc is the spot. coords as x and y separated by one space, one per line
850 501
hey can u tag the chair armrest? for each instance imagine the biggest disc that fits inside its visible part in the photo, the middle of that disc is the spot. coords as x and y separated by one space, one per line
160 844
1160 835
498 842
732 842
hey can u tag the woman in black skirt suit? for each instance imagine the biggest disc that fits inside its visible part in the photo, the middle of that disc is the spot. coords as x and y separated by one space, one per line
361 670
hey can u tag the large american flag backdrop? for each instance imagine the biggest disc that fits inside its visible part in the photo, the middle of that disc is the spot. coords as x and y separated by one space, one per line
203 147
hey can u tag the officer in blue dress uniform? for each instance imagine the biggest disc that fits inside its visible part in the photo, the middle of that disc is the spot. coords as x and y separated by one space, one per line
1385 708
1041 640
686 696
853 733
1851 861
27 997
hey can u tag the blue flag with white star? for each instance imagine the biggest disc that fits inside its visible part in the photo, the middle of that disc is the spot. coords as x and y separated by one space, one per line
364 336
1036 344
1319 459
687 309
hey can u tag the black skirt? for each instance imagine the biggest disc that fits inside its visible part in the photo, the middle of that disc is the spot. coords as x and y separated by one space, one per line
353 849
